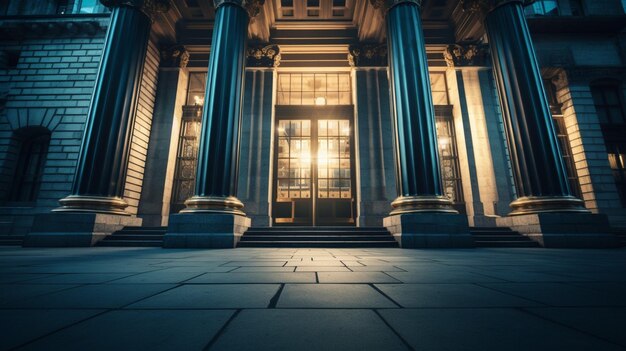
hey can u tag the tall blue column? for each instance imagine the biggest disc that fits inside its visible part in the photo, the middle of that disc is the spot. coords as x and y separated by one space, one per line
218 155
419 184
540 176
101 171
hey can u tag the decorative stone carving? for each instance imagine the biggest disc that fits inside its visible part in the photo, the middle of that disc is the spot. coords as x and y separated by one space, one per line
252 6
149 7
175 56
385 5
485 6
263 56
459 55
368 55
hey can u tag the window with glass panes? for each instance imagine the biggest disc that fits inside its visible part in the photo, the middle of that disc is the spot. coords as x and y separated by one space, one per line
313 89
617 160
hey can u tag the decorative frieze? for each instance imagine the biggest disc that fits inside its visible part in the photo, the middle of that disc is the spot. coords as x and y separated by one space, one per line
368 55
263 56
176 56
484 6
385 5
150 7
252 6
463 55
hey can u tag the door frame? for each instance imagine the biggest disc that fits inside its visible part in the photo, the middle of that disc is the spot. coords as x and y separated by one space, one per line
315 113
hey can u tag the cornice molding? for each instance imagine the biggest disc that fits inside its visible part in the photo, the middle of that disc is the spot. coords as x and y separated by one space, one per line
386 5
253 7
263 55
175 56
368 55
485 6
466 55
150 7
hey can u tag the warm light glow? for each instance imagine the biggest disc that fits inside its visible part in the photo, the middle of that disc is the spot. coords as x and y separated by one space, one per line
281 129
322 158
320 101
198 100
443 142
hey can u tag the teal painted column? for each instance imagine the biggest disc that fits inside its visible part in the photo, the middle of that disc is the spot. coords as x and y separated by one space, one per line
419 184
218 154
101 170
540 176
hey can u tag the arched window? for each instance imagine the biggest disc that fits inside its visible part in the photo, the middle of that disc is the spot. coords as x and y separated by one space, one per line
31 146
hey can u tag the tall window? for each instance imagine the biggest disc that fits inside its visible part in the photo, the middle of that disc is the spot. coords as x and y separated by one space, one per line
188 142
561 133
313 89
32 145
608 102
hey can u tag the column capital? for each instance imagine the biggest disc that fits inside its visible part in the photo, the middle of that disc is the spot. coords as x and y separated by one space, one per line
367 55
175 56
386 5
464 55
253 7
149 7
263 55
484 6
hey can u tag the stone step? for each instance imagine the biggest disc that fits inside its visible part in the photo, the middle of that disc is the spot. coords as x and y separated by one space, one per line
130 243
499 237
363 238
118 237
11 240
318 243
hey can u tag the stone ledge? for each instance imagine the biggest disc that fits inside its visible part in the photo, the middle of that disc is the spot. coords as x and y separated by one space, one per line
200 230
564 230
75 229
430 230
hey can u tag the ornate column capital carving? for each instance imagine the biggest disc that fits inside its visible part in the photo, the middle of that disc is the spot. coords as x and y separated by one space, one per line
367 55
253 7
263 55
385 5
460 55
484 6
175 56
149 7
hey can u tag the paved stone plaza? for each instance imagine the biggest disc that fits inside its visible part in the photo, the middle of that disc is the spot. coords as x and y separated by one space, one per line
312 299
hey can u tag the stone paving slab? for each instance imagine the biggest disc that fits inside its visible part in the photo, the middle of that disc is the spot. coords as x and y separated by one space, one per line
321 299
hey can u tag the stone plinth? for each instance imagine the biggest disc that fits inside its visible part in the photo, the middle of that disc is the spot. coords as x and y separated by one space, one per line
563 230
429 230
210 230
75 229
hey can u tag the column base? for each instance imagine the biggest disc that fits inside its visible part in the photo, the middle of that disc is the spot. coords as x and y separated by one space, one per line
429 230
75 229
214 204
205 230
563 230
417 204
93 204
547 204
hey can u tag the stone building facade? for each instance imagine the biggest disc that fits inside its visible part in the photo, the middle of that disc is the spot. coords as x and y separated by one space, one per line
312 113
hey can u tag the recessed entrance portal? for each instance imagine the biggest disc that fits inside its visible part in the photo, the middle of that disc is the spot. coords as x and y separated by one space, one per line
314 169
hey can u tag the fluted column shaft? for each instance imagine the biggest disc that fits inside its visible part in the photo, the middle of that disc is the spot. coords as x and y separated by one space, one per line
218 155
101 170
419 184
540 177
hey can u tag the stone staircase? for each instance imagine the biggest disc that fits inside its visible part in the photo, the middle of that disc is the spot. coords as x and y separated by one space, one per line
621 234
500 237
135 237
11 240
343 237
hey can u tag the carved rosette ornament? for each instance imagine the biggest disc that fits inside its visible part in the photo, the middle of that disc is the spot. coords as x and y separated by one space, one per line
367 55
460 55
253 7
175 56
150 7
484 6
263 56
